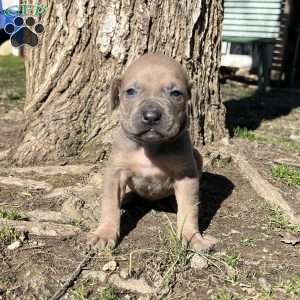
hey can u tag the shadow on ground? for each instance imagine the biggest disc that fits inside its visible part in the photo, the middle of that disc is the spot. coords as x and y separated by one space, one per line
250 111
214 190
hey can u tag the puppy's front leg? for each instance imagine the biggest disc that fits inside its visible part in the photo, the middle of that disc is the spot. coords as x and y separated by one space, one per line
108 231
187 196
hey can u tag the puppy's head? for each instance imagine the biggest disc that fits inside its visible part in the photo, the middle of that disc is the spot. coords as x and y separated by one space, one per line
153 96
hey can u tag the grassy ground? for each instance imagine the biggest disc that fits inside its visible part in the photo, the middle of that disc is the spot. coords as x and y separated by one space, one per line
288 175
12 93
272 117
12 79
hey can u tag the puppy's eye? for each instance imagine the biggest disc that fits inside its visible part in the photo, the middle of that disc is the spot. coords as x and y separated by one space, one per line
131 92
176 93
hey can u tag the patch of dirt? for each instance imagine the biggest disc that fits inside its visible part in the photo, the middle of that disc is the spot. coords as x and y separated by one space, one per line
262 156
231 211
274 118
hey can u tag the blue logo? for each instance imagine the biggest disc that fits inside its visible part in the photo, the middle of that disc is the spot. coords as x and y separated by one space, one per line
21 23
24 31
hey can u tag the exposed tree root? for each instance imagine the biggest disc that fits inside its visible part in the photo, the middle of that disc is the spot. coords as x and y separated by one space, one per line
263 188
52 170
287 162
133 285
26 183
42 229
48 216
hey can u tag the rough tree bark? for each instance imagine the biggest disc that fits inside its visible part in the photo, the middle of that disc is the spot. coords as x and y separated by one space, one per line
86 43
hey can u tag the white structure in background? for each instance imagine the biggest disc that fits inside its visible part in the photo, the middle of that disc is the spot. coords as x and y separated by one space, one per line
235 60
256 23
6 4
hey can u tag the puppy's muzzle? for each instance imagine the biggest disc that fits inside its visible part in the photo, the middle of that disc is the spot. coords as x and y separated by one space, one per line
151 114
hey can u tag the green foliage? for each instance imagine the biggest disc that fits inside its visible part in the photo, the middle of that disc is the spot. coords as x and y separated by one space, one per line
223 295
109 293
287 174
8 234
278 221
244 133
79 294
248 241
232 260
174 255
292 287
10 214
12 78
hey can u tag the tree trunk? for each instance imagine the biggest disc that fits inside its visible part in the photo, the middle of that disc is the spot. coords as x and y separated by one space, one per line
87 43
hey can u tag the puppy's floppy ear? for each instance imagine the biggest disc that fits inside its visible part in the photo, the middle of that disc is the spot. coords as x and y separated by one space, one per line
114 94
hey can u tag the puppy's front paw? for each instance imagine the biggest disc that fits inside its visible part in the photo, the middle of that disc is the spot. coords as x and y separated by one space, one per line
202 243
105 235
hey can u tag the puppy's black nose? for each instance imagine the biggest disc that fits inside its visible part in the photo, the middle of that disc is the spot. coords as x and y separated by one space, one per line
151 116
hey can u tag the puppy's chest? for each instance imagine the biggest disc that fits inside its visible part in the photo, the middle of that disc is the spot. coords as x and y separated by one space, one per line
152 188
149 180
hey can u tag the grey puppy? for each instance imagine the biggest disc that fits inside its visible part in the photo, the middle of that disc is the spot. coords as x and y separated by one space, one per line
152 153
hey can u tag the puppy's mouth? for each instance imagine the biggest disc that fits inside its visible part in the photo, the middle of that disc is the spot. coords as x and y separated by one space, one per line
153 135
147 136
